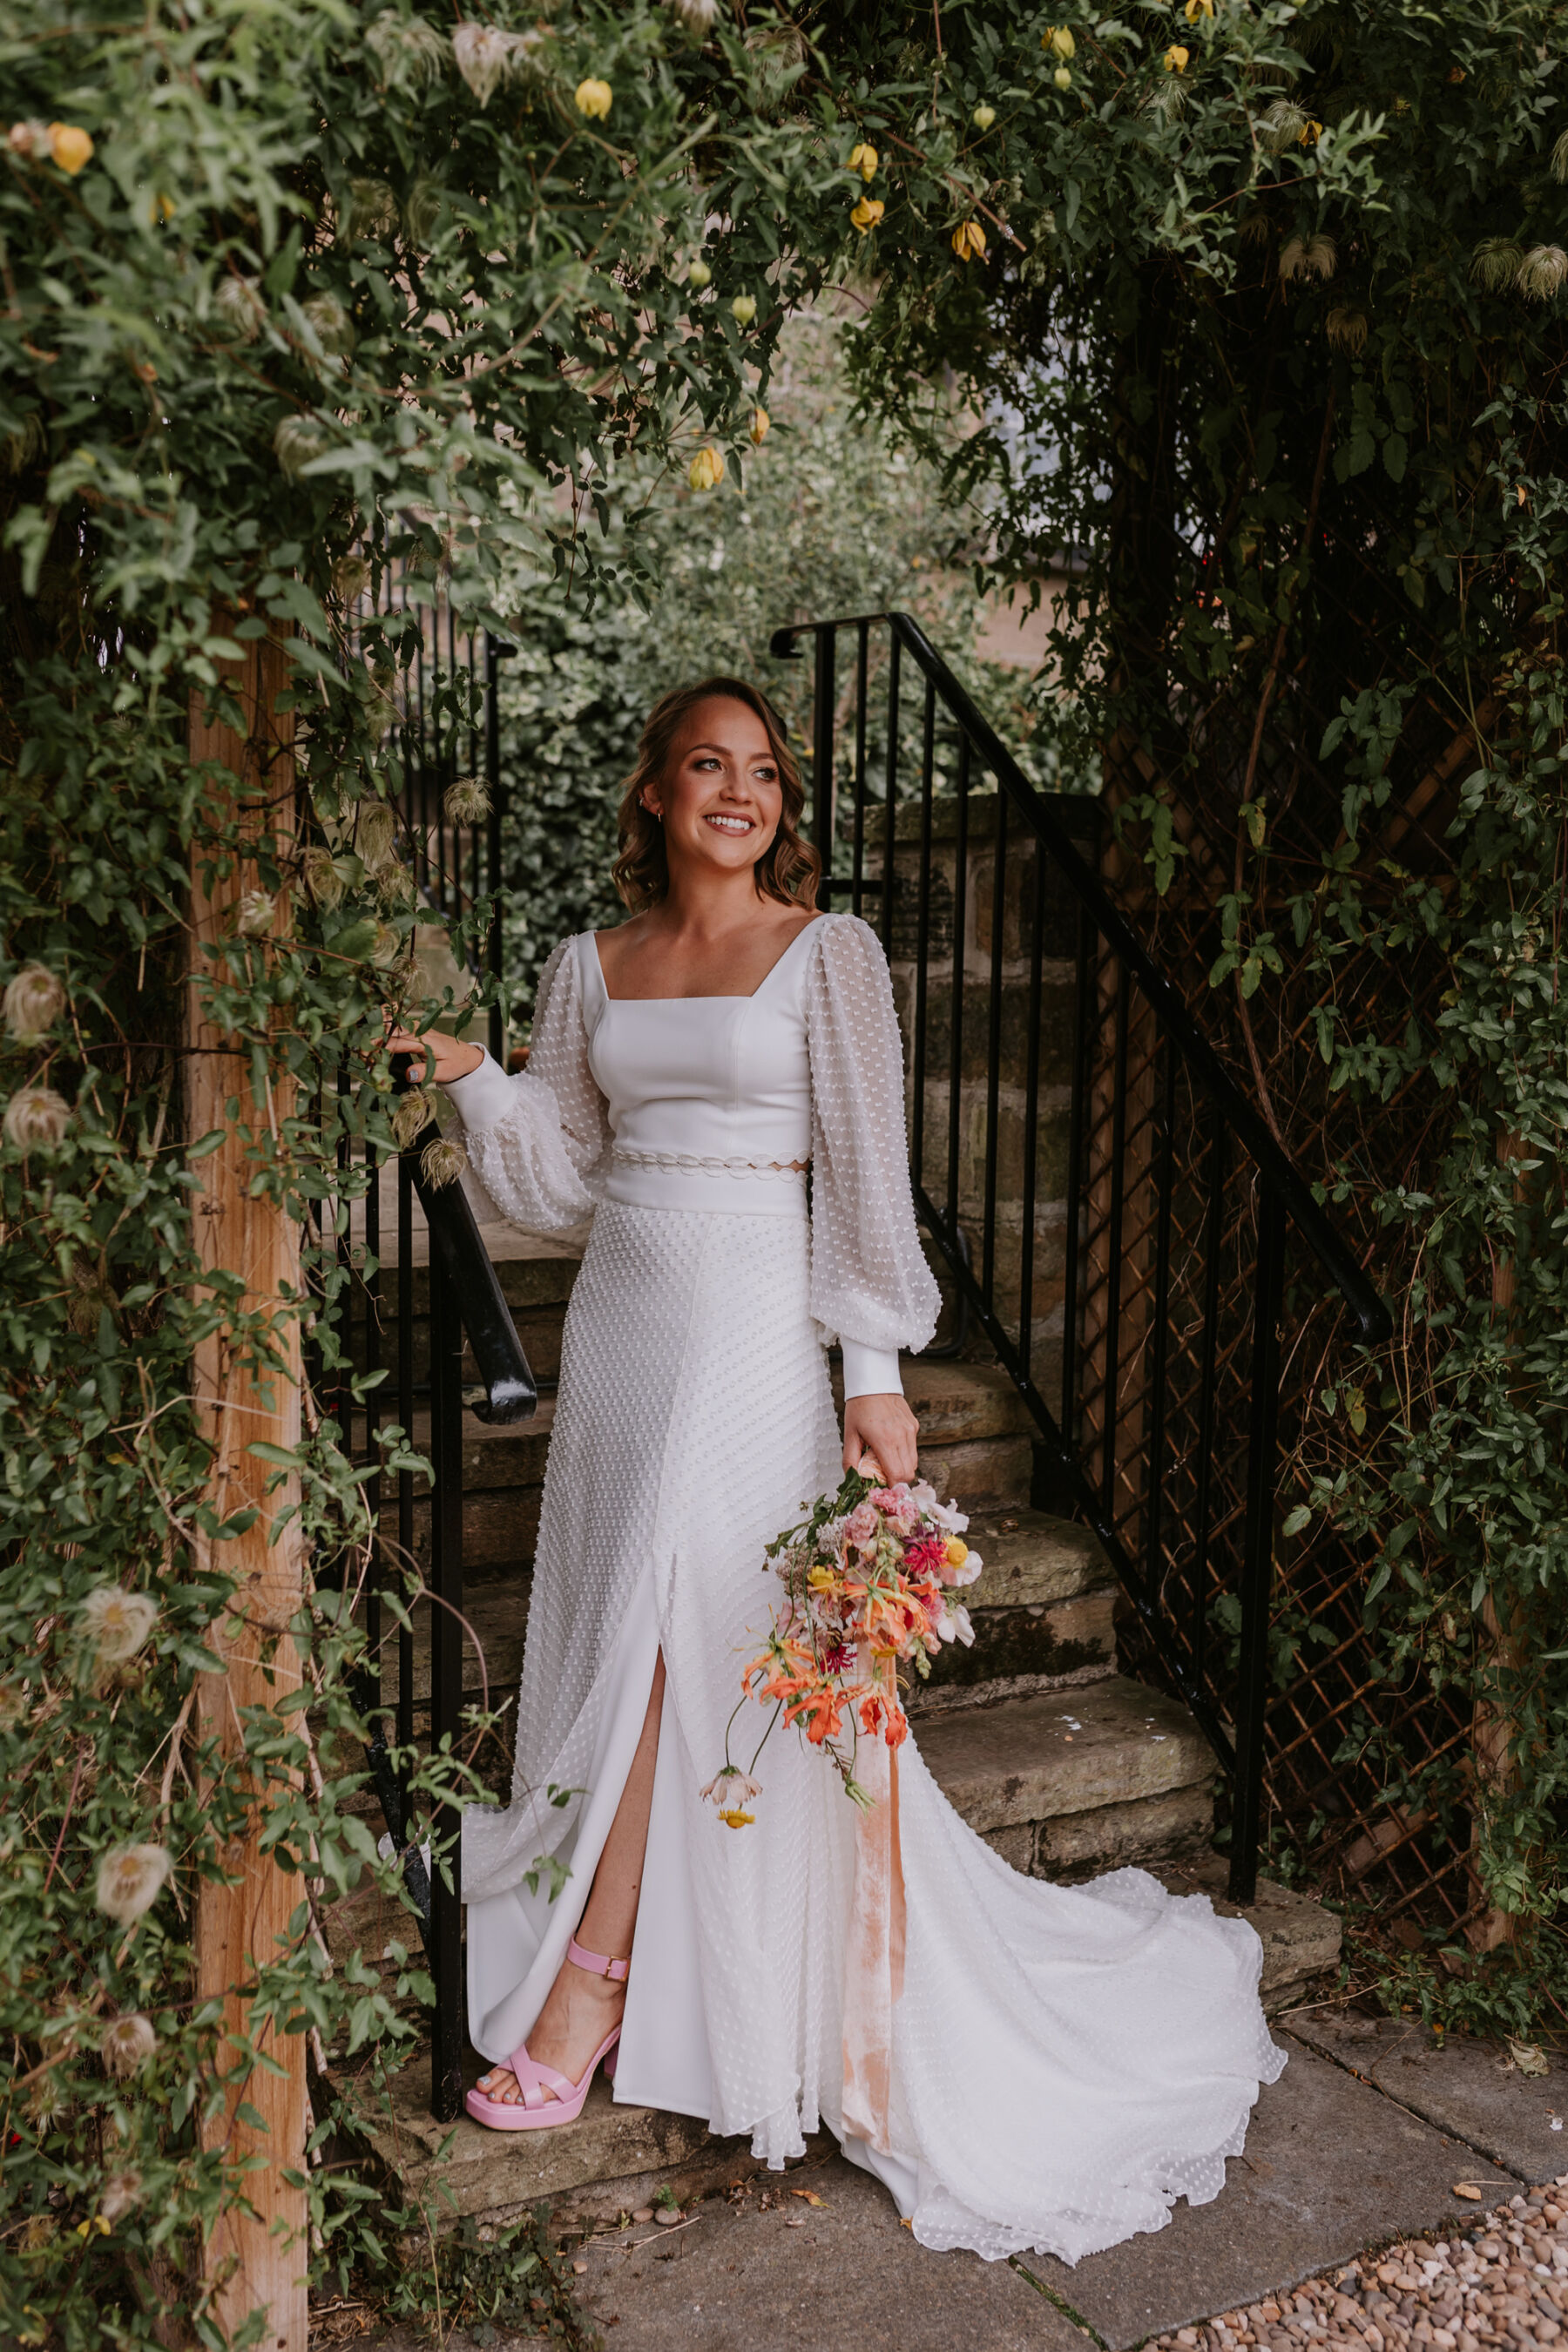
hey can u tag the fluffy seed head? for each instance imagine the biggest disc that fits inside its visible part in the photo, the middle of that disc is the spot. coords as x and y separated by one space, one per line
593 97
406 49
1541 272
422 210
442 1161
706 470
128 2044
1307 258
1346 329
122 2190
1560 157
486 56
386 946
34 1001
698 16
1495 264
117 1622
411 1115
21 447
239 309
466 802
297 440
375 833
371 210
330 324
131 1879
1280 126
320 877
253 916
35 1119
351 578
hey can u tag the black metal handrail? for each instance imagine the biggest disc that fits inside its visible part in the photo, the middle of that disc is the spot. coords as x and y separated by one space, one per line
1172 1552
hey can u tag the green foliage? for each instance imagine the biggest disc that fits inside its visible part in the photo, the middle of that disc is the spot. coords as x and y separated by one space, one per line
476 2277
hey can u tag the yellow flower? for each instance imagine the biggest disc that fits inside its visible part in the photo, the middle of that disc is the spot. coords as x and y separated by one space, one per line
1309 135
706 470
737 1819
161 209
864 159
1196 8
969 240
822 1580
744 309
69 146
761 427
1176 58
1059 41
593 97
957 1551
1062 78
698 274
984 116
868 213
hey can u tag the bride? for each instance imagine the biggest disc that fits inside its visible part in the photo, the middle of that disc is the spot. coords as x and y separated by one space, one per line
1053 2066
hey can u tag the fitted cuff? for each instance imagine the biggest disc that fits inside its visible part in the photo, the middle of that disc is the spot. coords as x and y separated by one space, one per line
481 1099
870 1371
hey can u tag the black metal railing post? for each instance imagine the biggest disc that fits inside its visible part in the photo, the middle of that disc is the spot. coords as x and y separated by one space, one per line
822 734
1258 1548
446 1605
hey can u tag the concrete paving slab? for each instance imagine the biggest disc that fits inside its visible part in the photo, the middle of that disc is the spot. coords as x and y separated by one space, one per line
1472 2090
1330 2169
795 2277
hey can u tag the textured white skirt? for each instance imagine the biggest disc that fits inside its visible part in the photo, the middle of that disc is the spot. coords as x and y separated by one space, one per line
1065 2060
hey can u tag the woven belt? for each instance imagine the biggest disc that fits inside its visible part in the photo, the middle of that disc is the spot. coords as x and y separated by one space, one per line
704 1163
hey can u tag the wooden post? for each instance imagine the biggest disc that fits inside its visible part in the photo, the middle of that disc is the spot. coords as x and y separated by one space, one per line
260 2261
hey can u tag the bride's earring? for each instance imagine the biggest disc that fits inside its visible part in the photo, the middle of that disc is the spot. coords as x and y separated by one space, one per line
657 815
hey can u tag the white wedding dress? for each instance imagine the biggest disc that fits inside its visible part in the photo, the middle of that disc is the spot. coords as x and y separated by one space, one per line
1065 2061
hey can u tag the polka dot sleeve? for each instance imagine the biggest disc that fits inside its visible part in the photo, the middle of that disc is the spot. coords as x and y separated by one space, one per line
869 1279
538 1139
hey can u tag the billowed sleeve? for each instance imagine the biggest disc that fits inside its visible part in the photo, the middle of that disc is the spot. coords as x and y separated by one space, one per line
870 1284
538 1138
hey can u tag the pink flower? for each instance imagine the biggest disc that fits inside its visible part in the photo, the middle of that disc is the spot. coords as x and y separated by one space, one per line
862 1526
927 1556
894 1504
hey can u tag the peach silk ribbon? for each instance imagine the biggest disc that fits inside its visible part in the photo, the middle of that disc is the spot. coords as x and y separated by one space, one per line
874 1953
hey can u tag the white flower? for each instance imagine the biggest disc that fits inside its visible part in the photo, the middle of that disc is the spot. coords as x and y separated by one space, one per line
466 802
698 16
122 2190
239 309
922 1494
731 1787
442 1163
953 1624
487 57
967 1573
131 1879
297 440
35 1000
128 2044
35 1119
253 916
117 1622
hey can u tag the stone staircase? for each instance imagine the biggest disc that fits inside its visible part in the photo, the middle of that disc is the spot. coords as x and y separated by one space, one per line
1065 1766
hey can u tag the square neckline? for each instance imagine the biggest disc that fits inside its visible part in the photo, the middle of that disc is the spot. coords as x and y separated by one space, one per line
805 931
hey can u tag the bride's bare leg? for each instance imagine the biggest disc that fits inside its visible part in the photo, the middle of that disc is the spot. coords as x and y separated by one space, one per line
579 2008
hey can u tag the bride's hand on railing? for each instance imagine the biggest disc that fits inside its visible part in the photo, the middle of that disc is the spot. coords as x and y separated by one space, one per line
441 1058
885 1426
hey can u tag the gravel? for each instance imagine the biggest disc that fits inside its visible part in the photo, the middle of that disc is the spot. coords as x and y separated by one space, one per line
1500 2280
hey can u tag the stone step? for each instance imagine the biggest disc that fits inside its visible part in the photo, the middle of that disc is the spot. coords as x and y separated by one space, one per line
1075 1781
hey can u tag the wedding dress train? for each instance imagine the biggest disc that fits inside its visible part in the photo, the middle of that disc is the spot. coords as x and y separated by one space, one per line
1065 2061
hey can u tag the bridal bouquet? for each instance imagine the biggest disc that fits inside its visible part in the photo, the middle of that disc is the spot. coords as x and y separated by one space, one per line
869 1580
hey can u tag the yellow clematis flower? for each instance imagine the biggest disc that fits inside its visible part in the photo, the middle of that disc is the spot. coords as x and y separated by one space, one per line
868 213
1059 41
1176 58
69 146
706 470
744 309
984 116
761 427
593 98
864 159
969 241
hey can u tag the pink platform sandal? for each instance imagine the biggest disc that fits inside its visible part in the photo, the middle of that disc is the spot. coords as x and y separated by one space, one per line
535 2111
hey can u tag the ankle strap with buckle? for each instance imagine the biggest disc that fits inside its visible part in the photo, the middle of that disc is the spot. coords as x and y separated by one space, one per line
596 1964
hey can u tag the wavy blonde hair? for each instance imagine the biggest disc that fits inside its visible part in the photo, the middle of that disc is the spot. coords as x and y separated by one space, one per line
787 869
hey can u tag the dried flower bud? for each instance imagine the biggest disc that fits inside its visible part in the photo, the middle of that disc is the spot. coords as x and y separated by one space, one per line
487 57
1059 41
1496 264
406 49
297 440
744 309
117 1622
35 1119
706 470
69 146
122 2191
239 309
411 1115
319 872
984 116
698 274
1308 257
1280 126
128 2044
442 1161
698 16
594 99
27 140
1346 329
1560 157
1541 272
254 915
131 1879
34 1001
466 801
868 213
969 241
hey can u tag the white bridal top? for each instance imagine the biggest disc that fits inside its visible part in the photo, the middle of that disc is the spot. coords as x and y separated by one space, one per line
702 1103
